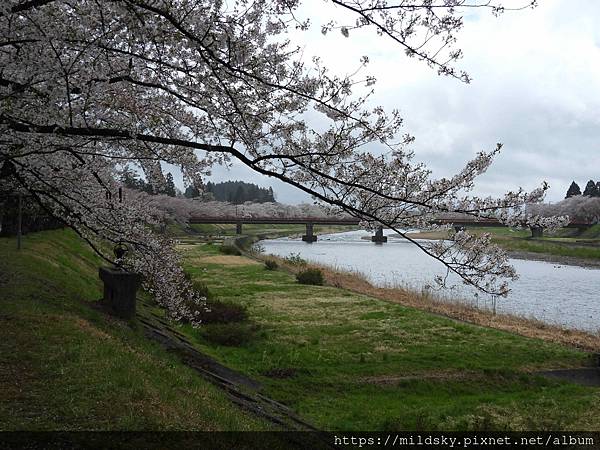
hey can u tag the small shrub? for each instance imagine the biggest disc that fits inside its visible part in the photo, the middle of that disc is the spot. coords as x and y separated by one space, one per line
271 264
229 334
295 259
227 249
310 276
217 311
213 310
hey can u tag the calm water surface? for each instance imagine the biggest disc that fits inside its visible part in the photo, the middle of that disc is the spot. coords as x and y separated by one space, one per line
553 293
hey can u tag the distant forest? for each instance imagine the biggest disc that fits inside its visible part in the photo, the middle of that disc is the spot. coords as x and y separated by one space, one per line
236 192
239 192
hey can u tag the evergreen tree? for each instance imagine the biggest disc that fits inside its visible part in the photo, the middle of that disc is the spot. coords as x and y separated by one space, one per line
590 189
132 180
597 189
239 196
191 192
169 186
573 190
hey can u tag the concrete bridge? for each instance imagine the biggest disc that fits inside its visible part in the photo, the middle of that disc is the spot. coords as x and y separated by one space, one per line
310 222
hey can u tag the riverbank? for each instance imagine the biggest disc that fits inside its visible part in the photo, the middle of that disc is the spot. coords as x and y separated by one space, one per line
578 249
457 310
557 259
342 360
347 360
555 294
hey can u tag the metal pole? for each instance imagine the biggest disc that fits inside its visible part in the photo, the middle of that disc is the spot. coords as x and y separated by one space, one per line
19 221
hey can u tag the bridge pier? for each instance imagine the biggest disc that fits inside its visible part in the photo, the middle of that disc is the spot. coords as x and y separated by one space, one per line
379 238
309 236
537 232
238 228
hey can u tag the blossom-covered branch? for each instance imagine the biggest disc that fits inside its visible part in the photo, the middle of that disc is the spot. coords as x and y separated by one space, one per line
89 88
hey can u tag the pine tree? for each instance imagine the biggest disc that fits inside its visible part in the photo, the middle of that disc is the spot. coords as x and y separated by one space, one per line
239 196
191 192
573 190
590 189
132 180
169 186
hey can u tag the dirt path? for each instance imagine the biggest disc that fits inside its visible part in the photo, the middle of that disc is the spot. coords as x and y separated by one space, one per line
587 376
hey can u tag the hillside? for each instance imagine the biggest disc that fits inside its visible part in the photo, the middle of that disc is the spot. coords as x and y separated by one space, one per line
64 365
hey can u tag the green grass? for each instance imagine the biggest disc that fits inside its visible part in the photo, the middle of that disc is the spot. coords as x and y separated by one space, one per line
67 366
344 361
591 233
552 247
350 362
563 242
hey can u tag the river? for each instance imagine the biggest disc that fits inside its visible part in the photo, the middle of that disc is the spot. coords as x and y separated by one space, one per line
553 293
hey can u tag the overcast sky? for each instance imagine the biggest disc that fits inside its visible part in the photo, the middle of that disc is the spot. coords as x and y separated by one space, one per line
535 88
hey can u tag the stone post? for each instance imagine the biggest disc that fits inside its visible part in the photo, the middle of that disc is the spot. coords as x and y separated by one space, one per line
379 238
309 236
238 228
120 288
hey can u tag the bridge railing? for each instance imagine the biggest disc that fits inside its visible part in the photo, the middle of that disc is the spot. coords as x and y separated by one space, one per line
275 220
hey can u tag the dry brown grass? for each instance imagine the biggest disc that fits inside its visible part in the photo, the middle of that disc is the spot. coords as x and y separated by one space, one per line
357 282
442 234
227 260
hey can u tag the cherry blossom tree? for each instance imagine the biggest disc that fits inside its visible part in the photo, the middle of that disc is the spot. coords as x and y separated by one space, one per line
89 88
577 208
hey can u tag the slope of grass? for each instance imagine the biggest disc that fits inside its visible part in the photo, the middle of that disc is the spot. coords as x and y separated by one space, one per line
66 366
549 246
350 362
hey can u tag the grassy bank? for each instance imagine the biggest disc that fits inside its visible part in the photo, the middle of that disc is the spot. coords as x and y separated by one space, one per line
341 359
459 310
569 243
66 366
348 361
